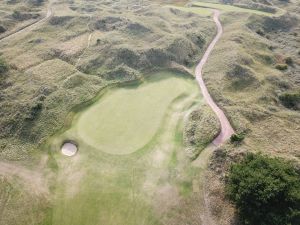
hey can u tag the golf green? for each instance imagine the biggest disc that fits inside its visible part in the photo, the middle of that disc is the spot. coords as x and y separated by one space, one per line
126 119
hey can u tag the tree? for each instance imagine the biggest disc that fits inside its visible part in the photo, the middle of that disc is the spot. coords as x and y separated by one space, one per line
266 191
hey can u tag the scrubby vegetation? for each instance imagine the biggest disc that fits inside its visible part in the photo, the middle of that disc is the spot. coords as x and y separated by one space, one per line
2 29
200 129
265 190
3 66
237 138
281 66
291 100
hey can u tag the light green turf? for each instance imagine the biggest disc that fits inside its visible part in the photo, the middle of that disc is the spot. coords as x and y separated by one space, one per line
96 188
195 10
228 8
126 119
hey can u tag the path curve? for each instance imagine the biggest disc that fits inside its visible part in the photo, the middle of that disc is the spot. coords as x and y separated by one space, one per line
226 128
32 25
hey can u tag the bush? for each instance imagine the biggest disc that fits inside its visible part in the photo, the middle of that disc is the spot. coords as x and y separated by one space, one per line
290 100
266 191
34 111
281 66
2 29
260 32
237 138
3 66
289 61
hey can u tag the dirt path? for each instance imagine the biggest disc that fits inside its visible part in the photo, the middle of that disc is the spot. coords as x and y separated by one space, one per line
226 128
30 26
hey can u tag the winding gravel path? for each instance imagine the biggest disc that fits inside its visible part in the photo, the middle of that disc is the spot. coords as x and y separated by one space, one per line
226 128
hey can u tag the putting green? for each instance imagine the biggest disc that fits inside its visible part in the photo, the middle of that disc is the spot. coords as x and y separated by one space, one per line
126 119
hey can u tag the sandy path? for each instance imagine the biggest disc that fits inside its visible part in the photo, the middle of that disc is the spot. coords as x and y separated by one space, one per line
226 128
88 42
32 25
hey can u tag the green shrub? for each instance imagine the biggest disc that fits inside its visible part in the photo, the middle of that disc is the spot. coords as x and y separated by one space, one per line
35 111
290 100
289 61
281 66
266 191
237 138
3 66
260 32
2 29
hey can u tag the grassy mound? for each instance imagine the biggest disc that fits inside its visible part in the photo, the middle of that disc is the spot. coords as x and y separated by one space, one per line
200 129
241 77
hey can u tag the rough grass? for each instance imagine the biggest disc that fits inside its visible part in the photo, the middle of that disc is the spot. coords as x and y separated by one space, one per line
199 131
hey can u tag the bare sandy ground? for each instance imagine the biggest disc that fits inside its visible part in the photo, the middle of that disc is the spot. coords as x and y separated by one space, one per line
69 149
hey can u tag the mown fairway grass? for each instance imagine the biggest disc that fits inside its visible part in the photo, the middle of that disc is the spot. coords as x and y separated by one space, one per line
205 8
196 10
103 183
229 8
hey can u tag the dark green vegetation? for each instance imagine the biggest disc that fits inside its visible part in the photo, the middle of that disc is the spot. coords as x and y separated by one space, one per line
3 66
291 100
237 138
281 66
265 190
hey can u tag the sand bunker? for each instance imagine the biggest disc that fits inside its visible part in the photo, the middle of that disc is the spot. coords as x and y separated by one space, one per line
69 149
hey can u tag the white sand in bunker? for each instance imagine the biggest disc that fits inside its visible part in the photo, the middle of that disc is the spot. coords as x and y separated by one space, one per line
69 149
